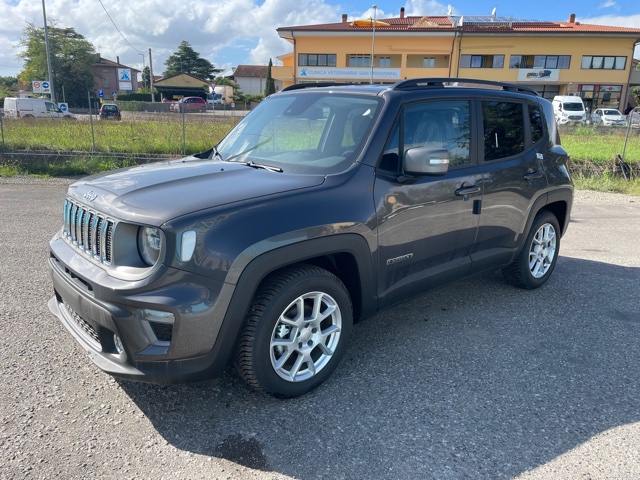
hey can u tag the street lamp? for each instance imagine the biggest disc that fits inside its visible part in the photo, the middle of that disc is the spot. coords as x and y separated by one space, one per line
144 84
46 43
373 39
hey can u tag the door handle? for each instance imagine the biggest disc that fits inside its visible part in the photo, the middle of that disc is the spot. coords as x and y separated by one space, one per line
466 191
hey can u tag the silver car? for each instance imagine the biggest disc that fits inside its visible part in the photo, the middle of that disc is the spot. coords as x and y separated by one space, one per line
633 118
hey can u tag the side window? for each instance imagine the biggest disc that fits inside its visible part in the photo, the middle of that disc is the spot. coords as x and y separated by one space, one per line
503 129
439 125
51 107
536 122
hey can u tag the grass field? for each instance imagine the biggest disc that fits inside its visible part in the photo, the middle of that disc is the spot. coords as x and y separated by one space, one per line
117 144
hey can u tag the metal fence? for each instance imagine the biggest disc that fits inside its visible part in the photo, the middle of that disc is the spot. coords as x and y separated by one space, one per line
145 129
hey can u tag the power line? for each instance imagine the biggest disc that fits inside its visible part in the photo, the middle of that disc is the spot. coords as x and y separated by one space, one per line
114 24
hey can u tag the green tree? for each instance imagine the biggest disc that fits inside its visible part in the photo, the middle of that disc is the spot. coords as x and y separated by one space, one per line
71 60
146 78
8 86
187 60
270 86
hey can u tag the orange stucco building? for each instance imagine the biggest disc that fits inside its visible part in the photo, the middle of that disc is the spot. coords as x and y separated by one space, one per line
555 58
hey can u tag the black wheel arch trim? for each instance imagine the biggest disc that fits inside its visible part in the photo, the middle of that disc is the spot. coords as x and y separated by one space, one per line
268 262
545 201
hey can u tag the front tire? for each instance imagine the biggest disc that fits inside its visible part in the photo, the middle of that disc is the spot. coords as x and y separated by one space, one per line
537 259
296 331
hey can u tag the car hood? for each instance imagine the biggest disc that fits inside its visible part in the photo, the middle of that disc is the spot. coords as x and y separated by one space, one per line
152 194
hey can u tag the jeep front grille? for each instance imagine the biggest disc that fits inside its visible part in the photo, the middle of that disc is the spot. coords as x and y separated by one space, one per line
89 231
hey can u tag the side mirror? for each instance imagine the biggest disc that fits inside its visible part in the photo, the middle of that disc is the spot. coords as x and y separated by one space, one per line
426 161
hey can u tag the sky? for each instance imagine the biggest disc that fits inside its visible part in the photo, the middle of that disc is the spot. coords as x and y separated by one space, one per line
229 33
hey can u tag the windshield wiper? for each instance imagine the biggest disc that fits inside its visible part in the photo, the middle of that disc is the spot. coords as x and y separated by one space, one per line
216 153
270 168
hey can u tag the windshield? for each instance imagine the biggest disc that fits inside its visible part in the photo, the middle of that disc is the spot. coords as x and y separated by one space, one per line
611 112
573 107
305 132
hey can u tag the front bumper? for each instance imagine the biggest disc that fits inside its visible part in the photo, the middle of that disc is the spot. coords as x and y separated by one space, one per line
95 308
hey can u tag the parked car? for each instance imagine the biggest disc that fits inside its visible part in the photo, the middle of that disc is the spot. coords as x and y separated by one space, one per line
569 109
110 111
322 207
189 104
34 108
609 117
633 118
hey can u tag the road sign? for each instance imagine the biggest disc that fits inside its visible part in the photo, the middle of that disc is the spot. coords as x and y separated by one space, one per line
113 94
37 86
64 107
101 93
45 87
124 74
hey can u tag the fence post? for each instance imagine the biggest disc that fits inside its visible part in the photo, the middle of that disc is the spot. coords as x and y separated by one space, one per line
2 132
93 137
184 135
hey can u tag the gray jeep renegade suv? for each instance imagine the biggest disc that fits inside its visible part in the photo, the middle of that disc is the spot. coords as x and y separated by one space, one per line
322 207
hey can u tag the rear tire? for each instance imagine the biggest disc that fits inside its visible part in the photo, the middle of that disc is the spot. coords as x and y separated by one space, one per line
537 259
295 333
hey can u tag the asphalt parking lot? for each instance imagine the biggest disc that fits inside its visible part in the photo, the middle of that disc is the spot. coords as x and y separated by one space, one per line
477 380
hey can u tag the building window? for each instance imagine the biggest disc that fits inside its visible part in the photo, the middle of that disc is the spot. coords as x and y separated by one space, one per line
596 96
105 82
356 60
317 59
540 61
385 62
590 62
482 61
428 62
503 129
547 91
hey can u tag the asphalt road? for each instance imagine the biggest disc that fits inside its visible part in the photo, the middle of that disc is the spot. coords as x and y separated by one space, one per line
477 380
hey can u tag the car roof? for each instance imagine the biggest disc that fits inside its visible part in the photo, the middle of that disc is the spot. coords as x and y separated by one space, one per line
425 85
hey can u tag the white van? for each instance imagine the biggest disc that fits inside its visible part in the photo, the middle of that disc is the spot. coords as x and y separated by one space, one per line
33 108
569 108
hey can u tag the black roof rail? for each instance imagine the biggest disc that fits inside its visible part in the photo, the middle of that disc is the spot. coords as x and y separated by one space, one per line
420 83
299 86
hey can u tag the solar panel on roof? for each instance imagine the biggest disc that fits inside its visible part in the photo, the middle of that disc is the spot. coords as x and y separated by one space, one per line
482 19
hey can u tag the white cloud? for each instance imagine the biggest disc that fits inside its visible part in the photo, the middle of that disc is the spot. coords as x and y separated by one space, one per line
218 30
424 7
227 33
608 4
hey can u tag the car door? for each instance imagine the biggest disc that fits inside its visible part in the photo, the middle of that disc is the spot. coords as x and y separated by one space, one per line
427 225
512 162
51 110
596 117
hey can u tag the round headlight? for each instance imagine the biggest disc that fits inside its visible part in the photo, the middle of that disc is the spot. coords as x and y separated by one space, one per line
149 244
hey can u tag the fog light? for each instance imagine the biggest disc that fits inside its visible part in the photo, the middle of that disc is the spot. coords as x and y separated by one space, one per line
118 343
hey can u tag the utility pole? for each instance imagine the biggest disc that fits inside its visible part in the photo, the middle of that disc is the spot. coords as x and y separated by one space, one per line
46 43
373 40
144 84
151 76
